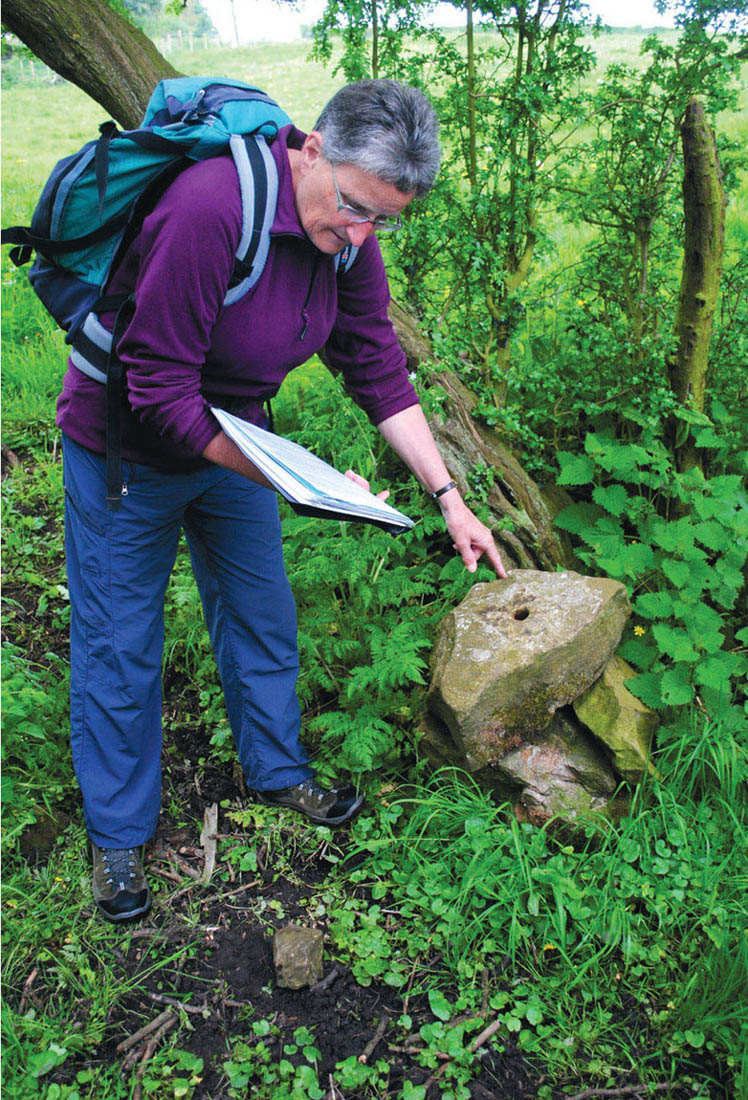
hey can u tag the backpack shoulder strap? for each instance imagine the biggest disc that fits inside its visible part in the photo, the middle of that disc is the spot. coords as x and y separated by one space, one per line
344 259
258 185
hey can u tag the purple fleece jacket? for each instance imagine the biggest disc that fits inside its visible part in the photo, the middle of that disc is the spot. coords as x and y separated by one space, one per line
183 351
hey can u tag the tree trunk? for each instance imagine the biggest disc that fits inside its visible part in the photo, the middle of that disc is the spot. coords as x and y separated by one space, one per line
93 46
704 208
117 65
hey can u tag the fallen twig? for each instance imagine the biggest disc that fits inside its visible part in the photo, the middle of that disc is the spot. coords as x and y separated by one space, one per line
411 979
625 1090
373 1043
245 1004
485 1035
208 840
232 893
131 1040
323 983
27 993
484 978
183 864
334 1092
163 873
148 1053
162 999
479 1040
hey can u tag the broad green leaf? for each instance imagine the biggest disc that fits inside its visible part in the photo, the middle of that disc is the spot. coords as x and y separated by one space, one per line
698 616
674 642
711 534
575 469
647 688
439 1005
676 571
613 498
677 536
580 518
654 605
717 671
707 437
707 641
676 687
638 558
639 651
413 1092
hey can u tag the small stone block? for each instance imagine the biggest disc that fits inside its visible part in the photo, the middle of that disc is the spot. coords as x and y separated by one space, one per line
297 956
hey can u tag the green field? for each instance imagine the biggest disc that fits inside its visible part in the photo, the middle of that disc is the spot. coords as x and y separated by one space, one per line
605 957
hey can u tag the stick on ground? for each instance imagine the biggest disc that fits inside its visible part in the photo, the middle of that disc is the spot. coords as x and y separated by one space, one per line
373 1043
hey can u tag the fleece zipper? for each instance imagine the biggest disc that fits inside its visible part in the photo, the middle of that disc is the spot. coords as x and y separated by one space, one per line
304 308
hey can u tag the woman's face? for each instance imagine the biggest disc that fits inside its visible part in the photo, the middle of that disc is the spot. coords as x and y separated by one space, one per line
317 205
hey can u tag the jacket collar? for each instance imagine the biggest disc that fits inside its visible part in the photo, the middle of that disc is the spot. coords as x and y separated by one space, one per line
286 218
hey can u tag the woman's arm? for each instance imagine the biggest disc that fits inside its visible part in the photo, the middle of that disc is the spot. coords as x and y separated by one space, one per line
409 435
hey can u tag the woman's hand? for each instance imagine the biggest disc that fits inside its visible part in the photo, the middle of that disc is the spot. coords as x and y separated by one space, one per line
358 480
470 537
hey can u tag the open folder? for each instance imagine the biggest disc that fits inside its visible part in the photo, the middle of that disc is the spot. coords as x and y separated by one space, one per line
311 486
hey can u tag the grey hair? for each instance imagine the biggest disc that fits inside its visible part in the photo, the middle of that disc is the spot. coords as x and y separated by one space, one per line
385 128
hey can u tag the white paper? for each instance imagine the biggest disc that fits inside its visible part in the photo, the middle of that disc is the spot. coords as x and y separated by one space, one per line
303 478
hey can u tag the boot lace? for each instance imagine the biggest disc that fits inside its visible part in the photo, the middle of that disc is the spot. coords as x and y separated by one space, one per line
312 787
120 864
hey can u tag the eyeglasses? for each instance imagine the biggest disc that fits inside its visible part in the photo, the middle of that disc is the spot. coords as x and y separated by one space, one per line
355 215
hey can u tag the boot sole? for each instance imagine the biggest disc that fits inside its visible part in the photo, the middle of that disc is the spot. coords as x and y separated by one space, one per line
340 820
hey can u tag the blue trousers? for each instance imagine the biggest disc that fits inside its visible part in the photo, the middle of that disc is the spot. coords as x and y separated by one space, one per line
118 565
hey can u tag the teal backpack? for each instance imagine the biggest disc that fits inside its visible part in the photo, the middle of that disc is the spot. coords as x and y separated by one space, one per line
94 203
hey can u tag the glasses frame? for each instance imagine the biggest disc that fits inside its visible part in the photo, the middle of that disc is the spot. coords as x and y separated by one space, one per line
384 223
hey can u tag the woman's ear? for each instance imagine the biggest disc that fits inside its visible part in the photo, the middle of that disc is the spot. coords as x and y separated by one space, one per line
311 150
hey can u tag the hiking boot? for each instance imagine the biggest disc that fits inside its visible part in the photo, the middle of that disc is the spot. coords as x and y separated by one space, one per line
120 888
322 806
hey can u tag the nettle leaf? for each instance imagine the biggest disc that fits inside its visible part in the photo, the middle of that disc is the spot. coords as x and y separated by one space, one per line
674 642
654 605
579 519
647 688
717 671
712 535
730 583
726 486
676 571
639 652
638 558
613 498
676 687
575 469
707 641
694 575
706 437
742 635
737 552
699 617
676 536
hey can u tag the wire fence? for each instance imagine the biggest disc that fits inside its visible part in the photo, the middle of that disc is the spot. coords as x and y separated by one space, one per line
19 68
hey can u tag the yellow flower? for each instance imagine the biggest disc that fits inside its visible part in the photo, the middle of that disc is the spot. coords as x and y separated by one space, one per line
639 630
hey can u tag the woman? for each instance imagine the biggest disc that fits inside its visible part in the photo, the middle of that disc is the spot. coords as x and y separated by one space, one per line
373 150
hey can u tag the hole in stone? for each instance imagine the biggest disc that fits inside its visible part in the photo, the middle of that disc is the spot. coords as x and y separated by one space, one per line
521 613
